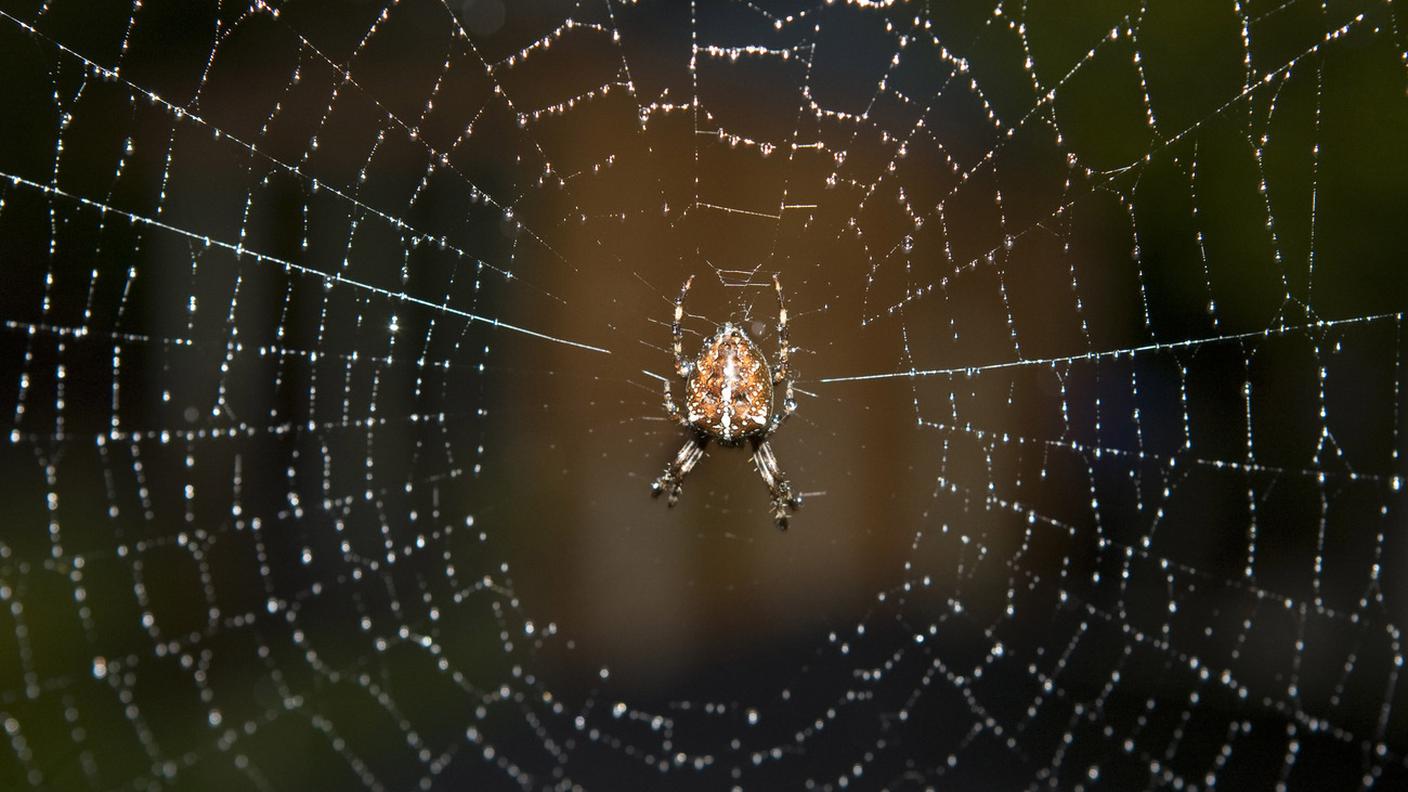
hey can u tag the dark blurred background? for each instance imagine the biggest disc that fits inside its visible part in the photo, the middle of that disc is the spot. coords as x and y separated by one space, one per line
332 336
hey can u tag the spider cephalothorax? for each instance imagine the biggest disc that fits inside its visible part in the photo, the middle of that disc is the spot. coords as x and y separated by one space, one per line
728 397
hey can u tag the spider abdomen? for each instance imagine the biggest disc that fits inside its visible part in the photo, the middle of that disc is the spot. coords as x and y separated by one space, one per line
729 393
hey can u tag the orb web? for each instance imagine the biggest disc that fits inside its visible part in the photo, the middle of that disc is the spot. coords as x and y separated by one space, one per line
333 333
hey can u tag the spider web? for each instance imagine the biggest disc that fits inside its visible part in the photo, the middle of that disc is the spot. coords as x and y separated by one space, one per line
335 335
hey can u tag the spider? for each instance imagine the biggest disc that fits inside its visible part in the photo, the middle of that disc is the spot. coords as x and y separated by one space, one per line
728 398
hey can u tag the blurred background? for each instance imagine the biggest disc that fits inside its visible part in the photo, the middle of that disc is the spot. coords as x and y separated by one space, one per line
334 336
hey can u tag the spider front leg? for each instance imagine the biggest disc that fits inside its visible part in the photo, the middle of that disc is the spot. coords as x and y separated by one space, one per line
672 480
784 500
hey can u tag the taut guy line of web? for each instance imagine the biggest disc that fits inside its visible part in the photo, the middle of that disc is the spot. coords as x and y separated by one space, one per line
1270 332
241 250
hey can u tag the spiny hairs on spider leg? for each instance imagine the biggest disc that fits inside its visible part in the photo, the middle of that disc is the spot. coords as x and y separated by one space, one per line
728 397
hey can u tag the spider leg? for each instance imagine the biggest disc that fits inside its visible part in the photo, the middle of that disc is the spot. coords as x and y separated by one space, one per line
682 366
784 500
789 406
671 408
783 375
672 480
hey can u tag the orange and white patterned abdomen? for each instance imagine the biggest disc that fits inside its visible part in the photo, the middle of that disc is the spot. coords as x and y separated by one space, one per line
729 393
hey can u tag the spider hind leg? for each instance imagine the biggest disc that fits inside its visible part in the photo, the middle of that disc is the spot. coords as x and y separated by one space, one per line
672 480
784 500
783 376
682 366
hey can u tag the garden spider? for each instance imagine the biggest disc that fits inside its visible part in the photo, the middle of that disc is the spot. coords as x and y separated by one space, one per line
728 398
